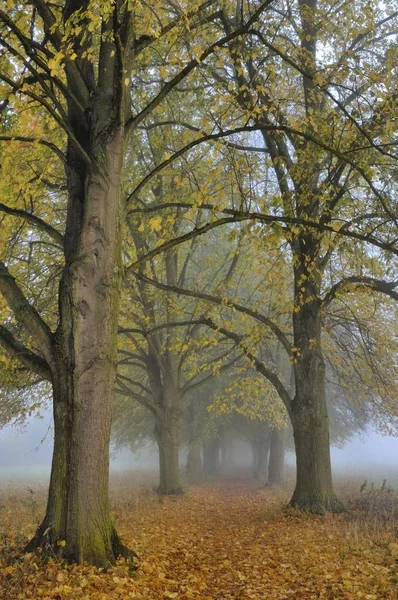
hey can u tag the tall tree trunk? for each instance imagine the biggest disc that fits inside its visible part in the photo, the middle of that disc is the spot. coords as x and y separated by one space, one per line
276 457
211 458
77 524
314 486
194 463
167 431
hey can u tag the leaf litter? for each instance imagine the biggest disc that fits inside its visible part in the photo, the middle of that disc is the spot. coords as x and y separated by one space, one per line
220 541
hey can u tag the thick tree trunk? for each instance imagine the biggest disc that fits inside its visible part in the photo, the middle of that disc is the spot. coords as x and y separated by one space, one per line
77 524
211 458
167 432
276 457
314 487
194 463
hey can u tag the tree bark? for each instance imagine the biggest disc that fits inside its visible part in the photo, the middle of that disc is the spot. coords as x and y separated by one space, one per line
167 432
77 524
276 458
314 487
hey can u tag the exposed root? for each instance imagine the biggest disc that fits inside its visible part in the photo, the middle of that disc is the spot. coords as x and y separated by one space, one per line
317 506
50 545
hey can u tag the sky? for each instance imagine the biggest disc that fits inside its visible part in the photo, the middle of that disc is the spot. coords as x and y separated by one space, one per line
25 453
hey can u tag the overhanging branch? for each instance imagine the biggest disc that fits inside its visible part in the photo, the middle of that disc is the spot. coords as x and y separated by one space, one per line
33 362
36 221
26 315
377 285
222 302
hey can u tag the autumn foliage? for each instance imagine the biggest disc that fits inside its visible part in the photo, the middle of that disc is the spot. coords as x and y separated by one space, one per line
221 541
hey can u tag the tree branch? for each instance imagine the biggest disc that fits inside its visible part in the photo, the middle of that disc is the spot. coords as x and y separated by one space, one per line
241 215
36 221
222 302
124 390
32 140
170 85
26 315
259 366
30 360
378 285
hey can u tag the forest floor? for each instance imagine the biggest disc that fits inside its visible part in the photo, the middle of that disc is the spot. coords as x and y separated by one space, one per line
221 541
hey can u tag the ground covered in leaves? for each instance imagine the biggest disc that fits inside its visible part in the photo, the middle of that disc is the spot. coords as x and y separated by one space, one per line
220 541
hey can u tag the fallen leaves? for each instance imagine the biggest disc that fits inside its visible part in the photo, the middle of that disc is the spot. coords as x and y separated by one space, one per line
218 542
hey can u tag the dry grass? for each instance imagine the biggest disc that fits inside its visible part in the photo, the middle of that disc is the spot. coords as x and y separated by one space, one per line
227 540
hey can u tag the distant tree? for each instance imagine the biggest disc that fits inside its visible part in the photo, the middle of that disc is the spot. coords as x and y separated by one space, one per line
69 90
324 192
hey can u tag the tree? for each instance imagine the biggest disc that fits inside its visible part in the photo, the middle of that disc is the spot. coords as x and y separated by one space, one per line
165 356
67 89
328 181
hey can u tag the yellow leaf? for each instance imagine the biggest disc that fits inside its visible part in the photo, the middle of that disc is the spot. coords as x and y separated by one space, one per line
156 223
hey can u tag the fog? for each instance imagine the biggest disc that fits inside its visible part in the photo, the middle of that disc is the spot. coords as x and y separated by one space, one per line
25 453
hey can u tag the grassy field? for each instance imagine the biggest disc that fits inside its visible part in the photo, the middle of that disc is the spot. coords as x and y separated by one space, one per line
224 540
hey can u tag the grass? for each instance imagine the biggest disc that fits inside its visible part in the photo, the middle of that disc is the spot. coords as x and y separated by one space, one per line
220 541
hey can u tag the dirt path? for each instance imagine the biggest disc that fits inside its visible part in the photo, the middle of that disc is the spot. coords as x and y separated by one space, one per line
233 541
219 542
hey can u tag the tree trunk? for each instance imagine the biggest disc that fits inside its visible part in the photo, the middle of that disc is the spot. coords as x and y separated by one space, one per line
255 456
211 458
263 444
194 463
225 443
314 486
167 431
77 524
276 457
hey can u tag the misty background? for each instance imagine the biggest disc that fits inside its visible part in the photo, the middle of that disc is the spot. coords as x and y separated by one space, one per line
26 451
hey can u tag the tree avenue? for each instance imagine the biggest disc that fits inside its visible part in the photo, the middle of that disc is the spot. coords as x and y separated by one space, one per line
297 121
325 112
70 65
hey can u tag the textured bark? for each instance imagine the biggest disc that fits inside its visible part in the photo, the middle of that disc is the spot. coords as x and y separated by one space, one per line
77 524
167 431
168 417
276 457
314 487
